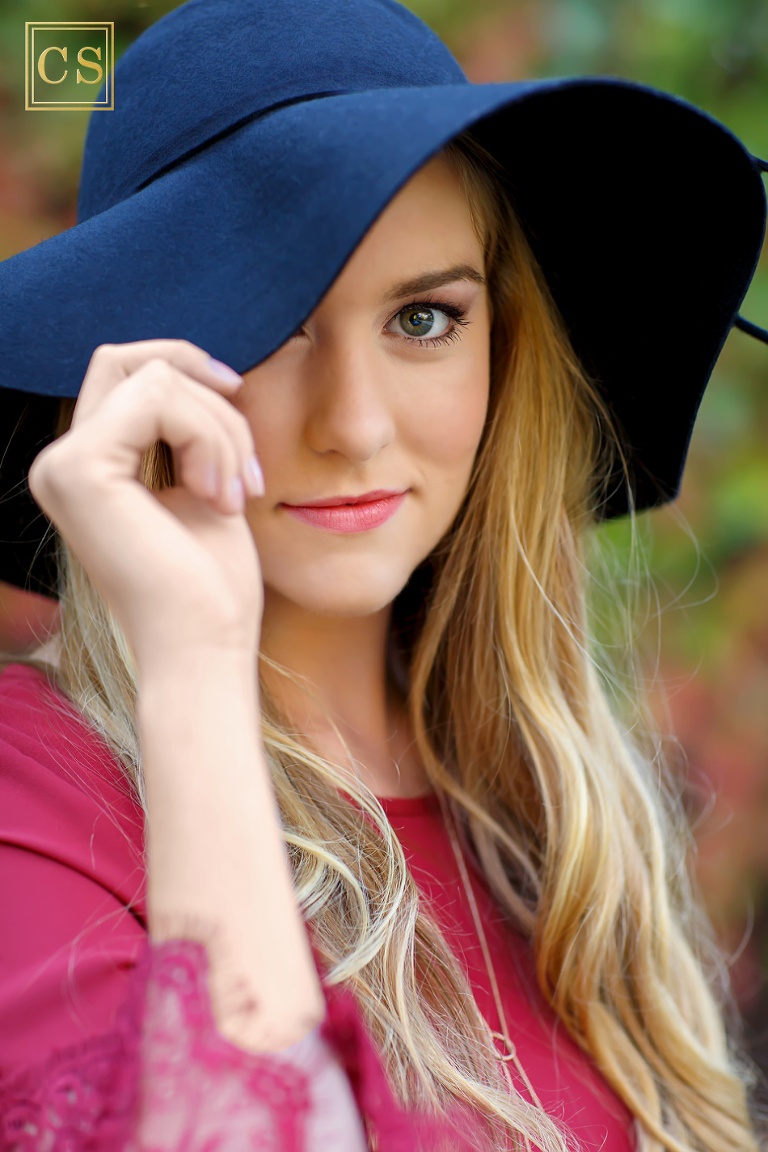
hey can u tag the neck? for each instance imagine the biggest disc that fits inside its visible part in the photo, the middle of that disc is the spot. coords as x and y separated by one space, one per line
343 661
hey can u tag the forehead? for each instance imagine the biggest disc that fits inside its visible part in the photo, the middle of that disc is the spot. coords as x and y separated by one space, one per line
434 190
426 225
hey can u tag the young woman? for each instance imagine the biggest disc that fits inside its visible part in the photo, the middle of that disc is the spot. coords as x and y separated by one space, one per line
319 826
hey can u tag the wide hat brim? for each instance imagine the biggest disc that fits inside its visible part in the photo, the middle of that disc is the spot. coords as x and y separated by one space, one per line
646 215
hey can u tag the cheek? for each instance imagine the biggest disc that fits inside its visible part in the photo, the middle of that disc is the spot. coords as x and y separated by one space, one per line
447 423
275 430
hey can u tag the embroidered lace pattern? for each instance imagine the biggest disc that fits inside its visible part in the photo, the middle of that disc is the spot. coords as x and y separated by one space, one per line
166 1080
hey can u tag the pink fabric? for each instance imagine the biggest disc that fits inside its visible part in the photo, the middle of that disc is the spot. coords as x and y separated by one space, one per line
165 1080
565 1079
108 1039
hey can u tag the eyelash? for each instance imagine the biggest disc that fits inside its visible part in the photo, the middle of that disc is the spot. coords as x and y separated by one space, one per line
455 311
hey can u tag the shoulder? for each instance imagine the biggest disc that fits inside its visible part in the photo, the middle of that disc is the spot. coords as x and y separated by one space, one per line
38 723
62 792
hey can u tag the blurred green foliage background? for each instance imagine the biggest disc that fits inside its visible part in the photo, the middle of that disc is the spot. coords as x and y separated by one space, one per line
706 636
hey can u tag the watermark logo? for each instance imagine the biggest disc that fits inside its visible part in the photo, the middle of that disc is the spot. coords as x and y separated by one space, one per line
69 65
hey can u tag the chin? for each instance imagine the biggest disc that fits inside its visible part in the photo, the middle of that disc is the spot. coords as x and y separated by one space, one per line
347 592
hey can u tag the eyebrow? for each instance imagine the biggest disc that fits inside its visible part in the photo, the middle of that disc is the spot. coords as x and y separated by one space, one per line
429 280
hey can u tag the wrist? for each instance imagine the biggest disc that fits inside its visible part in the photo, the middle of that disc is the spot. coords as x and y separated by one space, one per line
198 669
199 717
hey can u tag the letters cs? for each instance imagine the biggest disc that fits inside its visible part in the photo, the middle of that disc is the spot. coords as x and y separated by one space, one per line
80 59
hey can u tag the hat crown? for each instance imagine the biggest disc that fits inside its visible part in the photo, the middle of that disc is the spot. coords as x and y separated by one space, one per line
210 64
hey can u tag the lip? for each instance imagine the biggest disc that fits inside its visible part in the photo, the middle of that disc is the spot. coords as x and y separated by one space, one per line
365 498
349 514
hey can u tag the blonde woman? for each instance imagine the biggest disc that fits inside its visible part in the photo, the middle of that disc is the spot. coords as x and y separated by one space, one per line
320 828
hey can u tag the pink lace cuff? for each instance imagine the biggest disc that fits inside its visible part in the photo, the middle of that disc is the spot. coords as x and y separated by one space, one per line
166 1080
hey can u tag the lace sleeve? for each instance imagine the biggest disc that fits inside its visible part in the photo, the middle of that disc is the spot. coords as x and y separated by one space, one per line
166 1080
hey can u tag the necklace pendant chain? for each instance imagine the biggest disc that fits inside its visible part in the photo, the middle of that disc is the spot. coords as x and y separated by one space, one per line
510 1055
507 1043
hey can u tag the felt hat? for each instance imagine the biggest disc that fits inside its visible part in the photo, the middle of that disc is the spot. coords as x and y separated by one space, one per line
254 142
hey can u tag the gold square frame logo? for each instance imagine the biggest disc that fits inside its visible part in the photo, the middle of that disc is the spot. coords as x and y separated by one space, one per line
64 60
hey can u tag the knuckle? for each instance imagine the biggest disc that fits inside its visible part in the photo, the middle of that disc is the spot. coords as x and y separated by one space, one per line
158 366
47 472
36 475
41 462
156 375
104 352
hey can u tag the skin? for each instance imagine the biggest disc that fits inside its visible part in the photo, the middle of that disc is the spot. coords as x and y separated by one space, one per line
349 404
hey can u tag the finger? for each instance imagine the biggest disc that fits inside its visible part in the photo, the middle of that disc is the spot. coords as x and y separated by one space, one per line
207 435
111 363
191 465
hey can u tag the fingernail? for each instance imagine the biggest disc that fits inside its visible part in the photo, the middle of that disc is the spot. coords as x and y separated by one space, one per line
224 371
254 477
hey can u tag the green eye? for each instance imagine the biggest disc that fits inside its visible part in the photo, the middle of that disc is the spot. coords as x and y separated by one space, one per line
421 319
418 319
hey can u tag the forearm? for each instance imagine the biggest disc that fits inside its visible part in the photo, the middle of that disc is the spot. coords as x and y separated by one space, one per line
216 862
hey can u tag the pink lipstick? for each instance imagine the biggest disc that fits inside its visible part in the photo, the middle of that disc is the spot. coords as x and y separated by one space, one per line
347 514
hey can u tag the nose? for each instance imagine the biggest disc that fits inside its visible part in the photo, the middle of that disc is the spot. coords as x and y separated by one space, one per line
350 412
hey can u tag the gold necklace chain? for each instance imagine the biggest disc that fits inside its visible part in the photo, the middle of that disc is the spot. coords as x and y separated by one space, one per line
511 1050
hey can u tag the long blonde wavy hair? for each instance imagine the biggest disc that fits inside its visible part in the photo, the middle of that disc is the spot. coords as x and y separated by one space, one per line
567 809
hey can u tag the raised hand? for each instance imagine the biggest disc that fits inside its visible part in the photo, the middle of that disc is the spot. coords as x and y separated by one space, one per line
178 567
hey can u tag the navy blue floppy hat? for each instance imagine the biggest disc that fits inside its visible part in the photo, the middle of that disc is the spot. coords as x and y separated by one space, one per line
254 142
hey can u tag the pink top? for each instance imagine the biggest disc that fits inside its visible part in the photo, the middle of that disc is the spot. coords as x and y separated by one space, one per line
81 982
